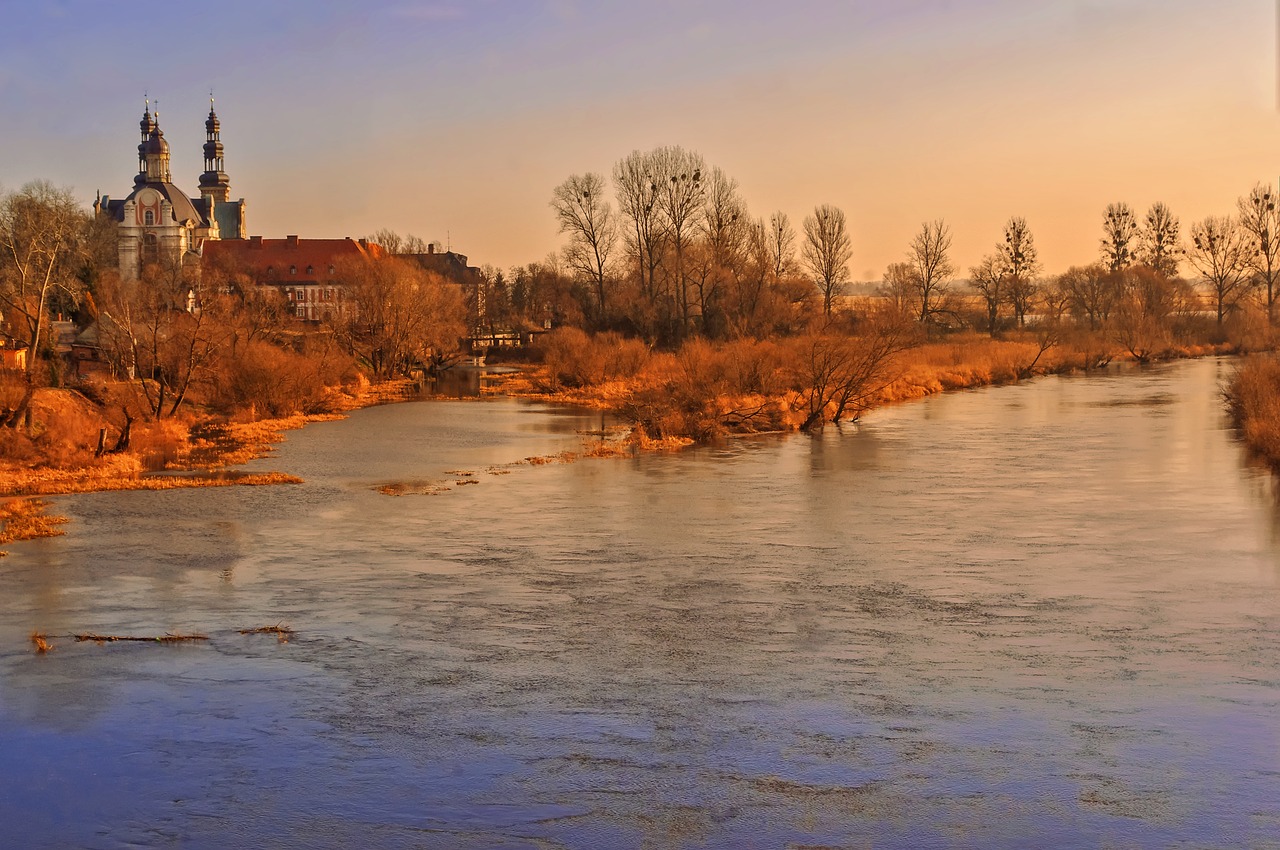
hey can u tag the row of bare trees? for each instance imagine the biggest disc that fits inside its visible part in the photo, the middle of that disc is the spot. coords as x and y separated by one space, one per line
672 251
1233 259
680 254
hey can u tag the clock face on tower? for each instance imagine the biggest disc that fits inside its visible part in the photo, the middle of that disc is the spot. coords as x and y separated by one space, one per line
147 198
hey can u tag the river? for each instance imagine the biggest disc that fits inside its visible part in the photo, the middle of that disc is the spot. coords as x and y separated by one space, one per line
1038 615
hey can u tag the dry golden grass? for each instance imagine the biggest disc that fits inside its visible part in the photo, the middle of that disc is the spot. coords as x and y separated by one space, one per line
543 460
123 472
217 445
665 444
607 448
960 363
25 519
1253 398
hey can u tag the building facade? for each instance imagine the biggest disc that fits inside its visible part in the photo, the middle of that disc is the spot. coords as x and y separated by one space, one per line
306 272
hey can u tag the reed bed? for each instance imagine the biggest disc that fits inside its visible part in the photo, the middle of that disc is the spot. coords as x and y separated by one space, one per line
26 519
1253 401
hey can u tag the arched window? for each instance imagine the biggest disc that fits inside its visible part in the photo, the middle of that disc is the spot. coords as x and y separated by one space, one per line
150 248
330 269
149 217
293 269
310 270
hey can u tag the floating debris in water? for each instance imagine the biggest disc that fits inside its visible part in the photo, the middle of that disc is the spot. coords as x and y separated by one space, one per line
165 638
41 642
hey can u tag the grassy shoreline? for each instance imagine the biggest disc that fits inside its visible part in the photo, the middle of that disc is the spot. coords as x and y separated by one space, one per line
1253 402
200 456
208 449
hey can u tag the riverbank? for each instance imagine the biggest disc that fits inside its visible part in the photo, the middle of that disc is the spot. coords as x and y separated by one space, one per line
1253 400
670 401
170 455
705 392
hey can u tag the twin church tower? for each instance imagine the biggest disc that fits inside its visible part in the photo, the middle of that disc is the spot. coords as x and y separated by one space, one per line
157 219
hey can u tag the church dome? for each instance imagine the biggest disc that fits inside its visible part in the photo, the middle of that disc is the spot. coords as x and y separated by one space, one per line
156 143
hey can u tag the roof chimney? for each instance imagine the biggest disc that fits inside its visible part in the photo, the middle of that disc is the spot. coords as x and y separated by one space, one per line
291 241
255 241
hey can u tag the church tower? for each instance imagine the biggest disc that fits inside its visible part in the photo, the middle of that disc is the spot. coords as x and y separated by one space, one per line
148 126
155 154
214 183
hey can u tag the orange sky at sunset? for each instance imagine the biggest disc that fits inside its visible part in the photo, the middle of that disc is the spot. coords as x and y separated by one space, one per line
456 120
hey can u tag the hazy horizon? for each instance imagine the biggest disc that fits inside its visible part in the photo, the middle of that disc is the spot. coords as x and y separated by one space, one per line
454 121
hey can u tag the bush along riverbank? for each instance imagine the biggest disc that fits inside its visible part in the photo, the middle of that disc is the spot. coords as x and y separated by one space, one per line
704 391
1253 400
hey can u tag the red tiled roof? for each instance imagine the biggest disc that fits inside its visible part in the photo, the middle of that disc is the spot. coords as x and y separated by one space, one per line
271 259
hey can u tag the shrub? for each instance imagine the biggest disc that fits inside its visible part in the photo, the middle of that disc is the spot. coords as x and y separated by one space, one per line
1253 400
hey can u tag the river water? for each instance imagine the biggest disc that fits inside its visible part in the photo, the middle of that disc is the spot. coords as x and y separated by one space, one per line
1038 615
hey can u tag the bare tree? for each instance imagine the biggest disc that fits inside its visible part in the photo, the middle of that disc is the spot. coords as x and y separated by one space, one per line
1090 293
726 235
40 237
1159 245
838 374
636 184
680 199
162 334
586 215
988 278
1260 218
394 243
1141 321
1220 253
782 245
898 288
1119 236
827 251
398 315
1021 263
929 258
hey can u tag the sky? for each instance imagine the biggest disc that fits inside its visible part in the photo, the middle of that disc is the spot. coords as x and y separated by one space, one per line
455 119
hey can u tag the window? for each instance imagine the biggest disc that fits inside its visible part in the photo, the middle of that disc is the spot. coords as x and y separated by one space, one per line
148 217
330 269
310 271
150 248
302 312
293 269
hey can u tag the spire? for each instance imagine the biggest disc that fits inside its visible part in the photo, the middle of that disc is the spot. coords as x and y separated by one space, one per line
214 182
153 153
148 126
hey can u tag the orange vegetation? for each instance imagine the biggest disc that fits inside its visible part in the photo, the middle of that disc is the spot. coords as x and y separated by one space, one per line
1253 399
25 519
705 390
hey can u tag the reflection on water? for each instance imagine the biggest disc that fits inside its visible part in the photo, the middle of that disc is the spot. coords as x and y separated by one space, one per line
1035 615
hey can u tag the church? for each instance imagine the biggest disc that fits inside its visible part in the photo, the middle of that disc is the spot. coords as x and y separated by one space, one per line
157 219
